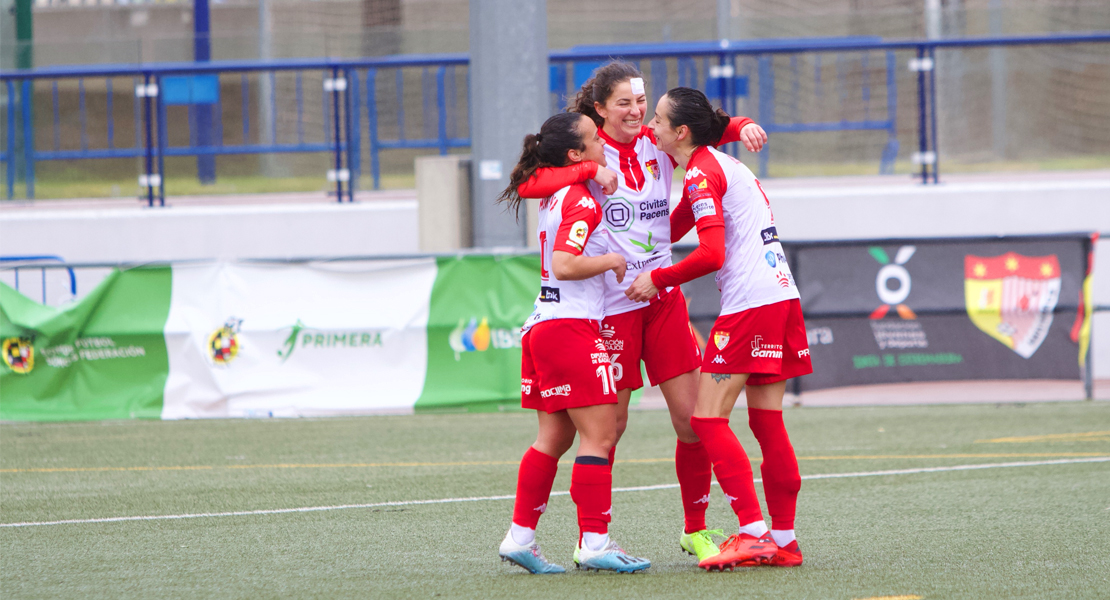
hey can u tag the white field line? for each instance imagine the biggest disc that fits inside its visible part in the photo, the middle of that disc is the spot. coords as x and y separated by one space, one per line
644 488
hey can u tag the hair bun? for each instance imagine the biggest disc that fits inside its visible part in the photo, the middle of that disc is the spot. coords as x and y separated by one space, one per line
539 138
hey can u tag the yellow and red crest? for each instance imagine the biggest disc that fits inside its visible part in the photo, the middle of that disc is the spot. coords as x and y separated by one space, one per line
1012 298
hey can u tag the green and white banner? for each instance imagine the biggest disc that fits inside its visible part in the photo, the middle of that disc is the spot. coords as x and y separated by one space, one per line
272 339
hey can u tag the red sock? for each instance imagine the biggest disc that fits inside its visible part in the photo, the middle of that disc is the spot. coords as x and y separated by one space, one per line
591 488
731 465
695 475
612 456
781 479
533 487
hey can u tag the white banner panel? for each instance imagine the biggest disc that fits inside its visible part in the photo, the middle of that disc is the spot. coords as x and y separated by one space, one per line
288 340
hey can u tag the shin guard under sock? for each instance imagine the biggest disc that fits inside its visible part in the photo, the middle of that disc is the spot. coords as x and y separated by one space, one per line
533 487
781 479
591 489
695 476
731 465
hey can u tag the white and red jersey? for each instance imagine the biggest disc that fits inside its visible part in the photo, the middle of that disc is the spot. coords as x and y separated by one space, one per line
637 215
570 221
720 190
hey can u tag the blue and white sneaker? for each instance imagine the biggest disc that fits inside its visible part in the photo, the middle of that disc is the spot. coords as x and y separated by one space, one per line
529 557
609 558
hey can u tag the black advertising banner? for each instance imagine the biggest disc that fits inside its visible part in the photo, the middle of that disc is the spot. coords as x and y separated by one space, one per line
892 311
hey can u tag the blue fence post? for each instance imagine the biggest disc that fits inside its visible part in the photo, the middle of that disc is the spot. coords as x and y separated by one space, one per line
337 139
202 52
148 123
10 171
163 140
933 112
890 153
347 133
766 105
441 105
922 133
29 137
354 135
372 123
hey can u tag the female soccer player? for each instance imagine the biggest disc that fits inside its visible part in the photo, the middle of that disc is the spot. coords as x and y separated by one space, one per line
760 337
565 372
636 217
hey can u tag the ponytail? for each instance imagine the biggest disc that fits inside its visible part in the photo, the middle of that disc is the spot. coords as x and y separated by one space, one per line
691 108
548 148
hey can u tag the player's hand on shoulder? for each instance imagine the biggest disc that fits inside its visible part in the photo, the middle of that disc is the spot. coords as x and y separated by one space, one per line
752 136
619 265
607 179
642 289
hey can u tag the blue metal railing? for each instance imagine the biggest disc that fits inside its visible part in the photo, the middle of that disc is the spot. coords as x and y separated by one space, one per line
358 88
43 262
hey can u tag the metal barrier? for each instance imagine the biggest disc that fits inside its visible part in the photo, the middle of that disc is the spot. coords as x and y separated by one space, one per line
42 263
350 90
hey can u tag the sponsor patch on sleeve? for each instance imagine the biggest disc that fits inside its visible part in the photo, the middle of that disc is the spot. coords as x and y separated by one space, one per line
703 208
579 231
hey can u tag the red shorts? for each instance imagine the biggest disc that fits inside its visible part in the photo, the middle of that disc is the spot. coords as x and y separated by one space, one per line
659 334
564 365
769 342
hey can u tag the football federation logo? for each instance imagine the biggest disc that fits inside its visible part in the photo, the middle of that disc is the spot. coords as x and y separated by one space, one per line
1011 298
892 284
19 355
720 339
223 344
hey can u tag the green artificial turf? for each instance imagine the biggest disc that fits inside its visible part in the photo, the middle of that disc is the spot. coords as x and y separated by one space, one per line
1015 532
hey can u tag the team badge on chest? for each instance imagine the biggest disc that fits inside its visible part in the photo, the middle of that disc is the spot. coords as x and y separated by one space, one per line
720 339
653 168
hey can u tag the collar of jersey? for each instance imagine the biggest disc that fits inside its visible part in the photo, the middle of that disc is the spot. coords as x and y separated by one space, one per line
695 154
629 148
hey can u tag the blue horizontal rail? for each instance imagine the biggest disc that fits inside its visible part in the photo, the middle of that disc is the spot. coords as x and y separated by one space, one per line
725 69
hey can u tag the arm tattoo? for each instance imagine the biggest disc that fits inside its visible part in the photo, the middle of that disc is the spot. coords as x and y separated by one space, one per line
719 377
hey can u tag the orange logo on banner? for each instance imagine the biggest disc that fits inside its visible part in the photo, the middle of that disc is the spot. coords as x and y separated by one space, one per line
1011 298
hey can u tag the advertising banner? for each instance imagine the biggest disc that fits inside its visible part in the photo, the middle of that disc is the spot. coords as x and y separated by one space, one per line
101 358
893 311
933 310
257 339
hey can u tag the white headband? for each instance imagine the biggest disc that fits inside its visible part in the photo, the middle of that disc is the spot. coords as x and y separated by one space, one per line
637 85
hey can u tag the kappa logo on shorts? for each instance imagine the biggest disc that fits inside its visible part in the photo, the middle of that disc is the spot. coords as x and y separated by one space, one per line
718 360
761 350
559 390
802 353
720 339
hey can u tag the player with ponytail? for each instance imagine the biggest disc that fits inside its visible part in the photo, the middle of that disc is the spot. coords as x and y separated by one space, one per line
565 370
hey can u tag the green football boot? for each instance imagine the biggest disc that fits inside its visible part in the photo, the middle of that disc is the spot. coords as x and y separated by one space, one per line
700 543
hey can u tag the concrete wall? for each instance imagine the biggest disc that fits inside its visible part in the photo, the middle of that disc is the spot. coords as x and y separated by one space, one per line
805 209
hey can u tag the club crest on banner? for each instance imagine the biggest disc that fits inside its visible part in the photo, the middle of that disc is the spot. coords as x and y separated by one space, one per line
19 355
720 339
223 344
1012 298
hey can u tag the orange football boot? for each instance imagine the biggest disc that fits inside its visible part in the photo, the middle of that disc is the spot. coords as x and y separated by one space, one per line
742 550
787 556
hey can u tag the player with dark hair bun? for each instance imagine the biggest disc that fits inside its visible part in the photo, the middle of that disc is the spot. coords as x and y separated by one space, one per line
759 340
